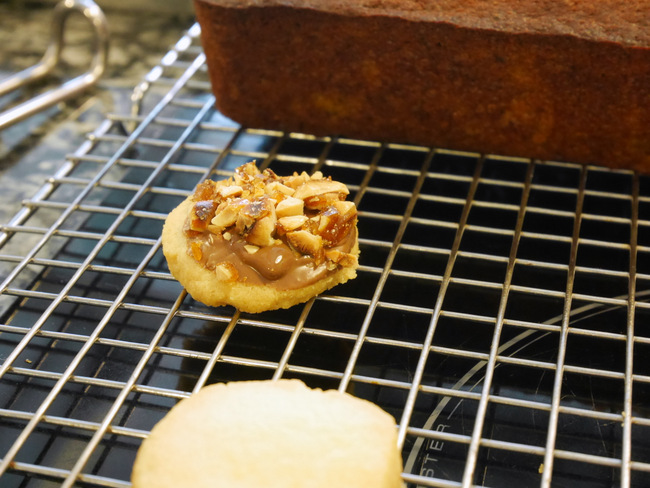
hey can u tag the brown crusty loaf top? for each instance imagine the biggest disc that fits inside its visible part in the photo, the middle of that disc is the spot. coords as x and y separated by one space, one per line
623 21
548 79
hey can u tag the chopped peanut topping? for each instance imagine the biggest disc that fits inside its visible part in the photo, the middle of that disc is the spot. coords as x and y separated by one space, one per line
290 206
309 213
226 272
196 251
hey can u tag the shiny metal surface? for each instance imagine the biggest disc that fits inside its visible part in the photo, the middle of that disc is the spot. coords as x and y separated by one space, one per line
51 58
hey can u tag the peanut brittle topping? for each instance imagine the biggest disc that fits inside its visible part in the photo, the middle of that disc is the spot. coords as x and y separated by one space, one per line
288 231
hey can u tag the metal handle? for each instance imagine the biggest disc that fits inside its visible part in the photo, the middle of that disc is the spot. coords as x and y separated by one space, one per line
51 58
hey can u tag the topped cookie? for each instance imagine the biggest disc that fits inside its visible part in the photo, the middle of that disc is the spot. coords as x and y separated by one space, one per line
258 241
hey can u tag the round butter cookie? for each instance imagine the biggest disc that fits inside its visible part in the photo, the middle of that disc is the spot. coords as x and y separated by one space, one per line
271 434
259 242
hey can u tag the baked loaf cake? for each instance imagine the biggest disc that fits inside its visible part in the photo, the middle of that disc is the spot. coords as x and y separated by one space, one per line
259 242
271 434
549 79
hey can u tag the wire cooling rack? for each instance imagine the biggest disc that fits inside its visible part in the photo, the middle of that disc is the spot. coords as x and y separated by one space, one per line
499 313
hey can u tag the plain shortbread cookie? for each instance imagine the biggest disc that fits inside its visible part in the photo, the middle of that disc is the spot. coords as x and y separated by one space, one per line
270 434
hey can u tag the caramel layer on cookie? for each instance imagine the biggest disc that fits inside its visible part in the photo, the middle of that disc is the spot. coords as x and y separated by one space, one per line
258 228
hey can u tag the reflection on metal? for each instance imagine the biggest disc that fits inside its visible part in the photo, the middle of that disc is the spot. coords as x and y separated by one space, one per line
52 57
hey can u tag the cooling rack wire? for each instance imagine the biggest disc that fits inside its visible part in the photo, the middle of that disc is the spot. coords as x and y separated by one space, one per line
499 313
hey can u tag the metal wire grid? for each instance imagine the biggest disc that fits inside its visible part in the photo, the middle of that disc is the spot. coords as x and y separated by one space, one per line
498 314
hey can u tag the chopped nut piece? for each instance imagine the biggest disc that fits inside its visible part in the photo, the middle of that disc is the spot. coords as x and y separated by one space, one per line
204 191
306 242
261 233
276 186
320 194
197 253
333 225
250 249
290 223
349 260
320 202
341 258
202 212
328 219
314 188
344 206
289 206
296 180
243 223
226 271
230 191
204 209
248 169
226 216
259 207
258 190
